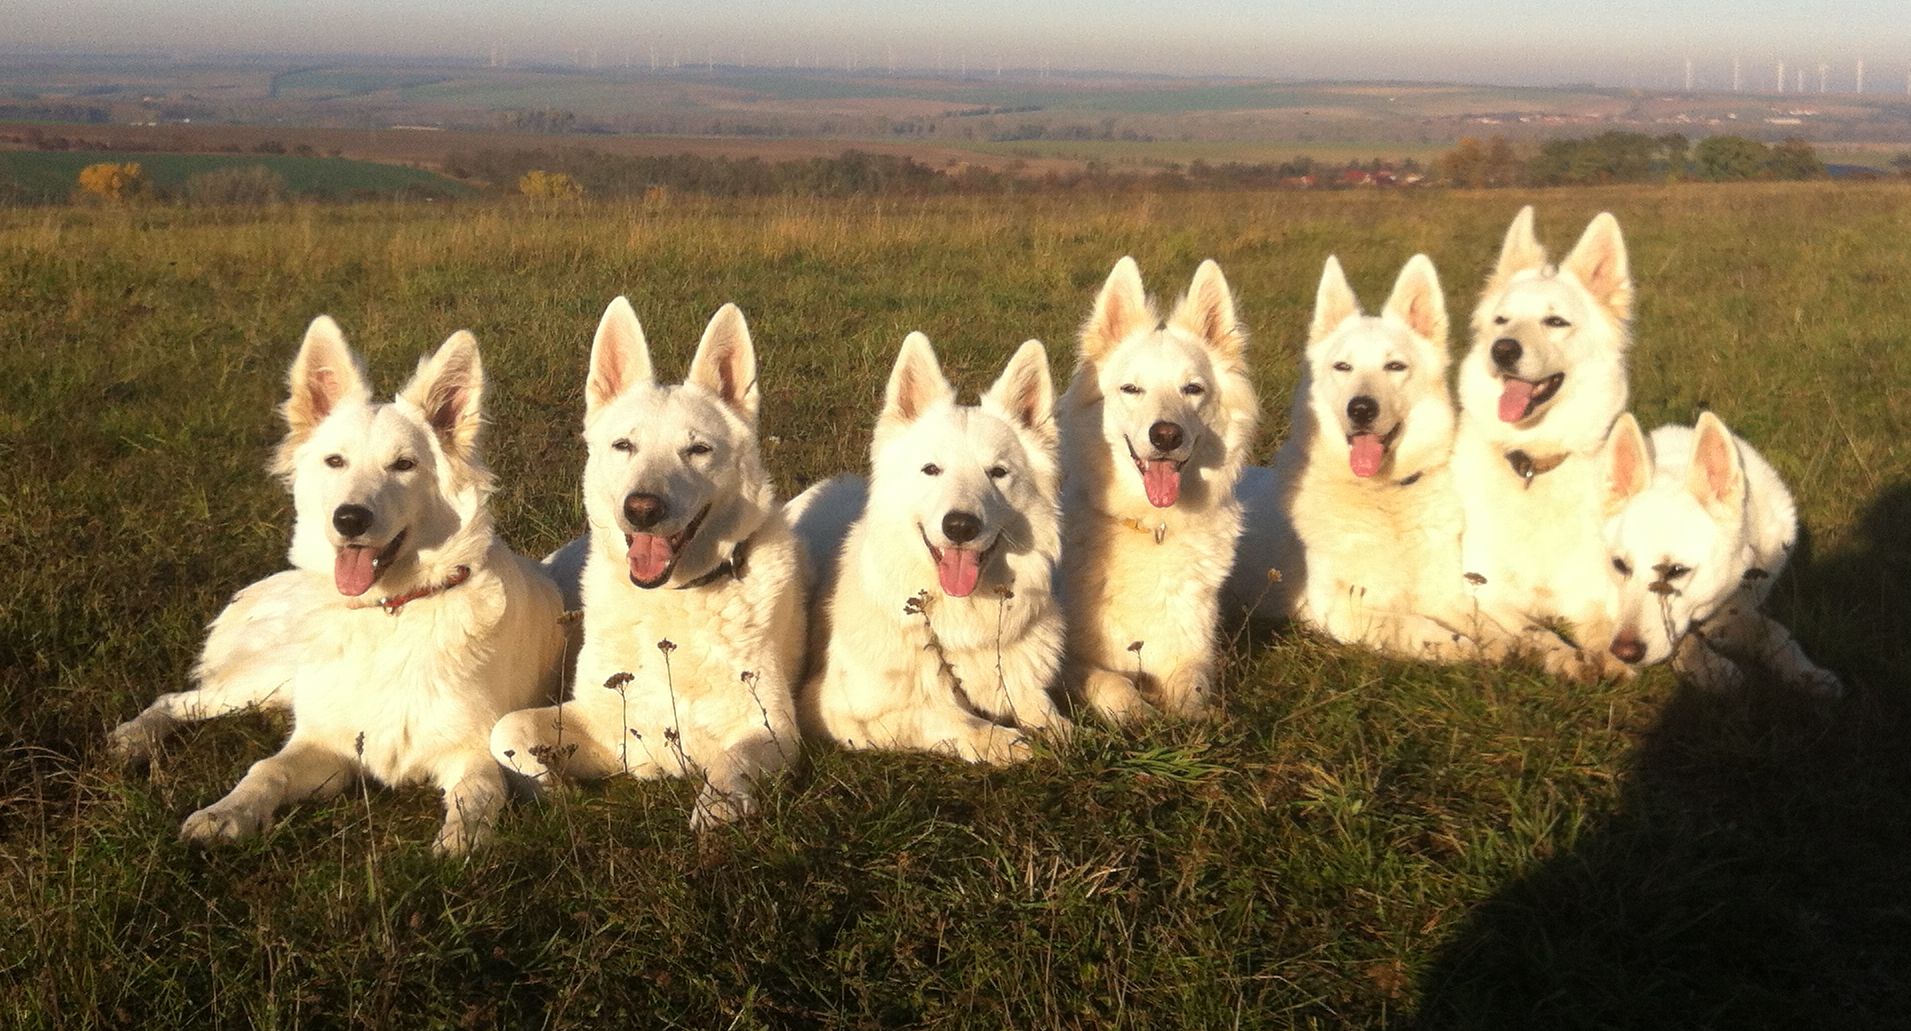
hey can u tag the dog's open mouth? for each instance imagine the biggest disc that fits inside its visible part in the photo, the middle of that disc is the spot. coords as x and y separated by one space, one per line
958 570
358 566
653 556
1519 398
1367 452
1160 477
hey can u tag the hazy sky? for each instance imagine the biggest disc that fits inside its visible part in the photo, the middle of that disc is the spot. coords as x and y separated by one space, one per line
1609 41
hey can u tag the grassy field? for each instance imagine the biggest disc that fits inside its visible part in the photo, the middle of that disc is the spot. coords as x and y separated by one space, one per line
1353 842
42 176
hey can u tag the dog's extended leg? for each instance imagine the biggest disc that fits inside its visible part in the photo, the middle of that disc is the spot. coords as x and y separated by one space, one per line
730 776
580 738
474 795
1700 661
251 655
1751 636
955 730
300 770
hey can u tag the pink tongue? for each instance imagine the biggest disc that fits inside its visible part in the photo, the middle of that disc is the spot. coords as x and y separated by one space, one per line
958 570
352 570
1366 454
1162 480
1514 397
650 557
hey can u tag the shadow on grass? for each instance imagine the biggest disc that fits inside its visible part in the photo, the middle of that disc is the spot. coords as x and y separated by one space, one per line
1755 871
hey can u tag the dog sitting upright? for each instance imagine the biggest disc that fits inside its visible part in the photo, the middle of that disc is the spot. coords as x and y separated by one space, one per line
1156 425
405 627
691 583
1698 527
1539 390
1356 528
937 629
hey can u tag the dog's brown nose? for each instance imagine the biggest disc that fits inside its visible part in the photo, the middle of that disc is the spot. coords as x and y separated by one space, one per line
1165 436
644 510
1506 353
1627 647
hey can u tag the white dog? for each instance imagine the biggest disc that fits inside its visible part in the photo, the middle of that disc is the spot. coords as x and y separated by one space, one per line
939 629
1539 390
1356 528
405 627
692 585
1156 426
1698 526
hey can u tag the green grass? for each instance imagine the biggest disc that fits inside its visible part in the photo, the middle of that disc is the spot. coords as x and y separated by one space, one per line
1354 842
41 176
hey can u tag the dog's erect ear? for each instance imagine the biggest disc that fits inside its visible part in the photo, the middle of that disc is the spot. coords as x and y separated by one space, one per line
725 364
916 384
1418 301
1599 261
1717 474
1208 312
1025 393
449 389
1521 249
1334 301
325 375
1628 463
1120 309
620 357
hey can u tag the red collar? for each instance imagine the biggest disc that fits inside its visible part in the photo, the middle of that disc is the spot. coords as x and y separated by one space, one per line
391 603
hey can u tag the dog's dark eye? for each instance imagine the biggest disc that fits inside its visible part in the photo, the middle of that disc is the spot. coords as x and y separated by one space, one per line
1499 320
622 444
699 448
1343 367
1194 390
1130 388
932 469
335 461
403 465
1675 570
996 472
1620 564
1396 366
1556 322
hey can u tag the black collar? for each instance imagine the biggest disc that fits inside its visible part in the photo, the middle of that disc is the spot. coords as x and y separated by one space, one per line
733 567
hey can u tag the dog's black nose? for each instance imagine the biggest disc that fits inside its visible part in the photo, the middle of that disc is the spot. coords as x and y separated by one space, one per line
1506 352
351 520
1627 648
1363 410
644 510
1165 436
960 527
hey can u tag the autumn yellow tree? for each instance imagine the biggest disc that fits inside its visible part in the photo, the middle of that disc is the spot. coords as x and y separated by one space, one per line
112 181
538 184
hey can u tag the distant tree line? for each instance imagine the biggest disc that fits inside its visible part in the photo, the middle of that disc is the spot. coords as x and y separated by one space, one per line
1626 157
858 173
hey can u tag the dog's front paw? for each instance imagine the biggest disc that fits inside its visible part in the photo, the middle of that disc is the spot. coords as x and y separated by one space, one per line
1114 697
716 807
1189 693
460 837
134 742
1818 682
217 824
